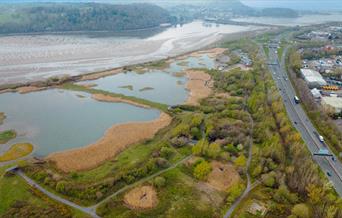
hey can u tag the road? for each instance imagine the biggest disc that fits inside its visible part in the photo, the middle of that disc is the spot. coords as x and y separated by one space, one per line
301 121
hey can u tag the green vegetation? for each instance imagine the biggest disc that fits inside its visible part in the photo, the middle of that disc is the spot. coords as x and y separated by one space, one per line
129 87
16 151
28 18
145 89
75 87
20 200
7 135
219 130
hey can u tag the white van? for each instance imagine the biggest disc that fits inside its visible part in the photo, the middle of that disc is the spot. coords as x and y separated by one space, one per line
321 139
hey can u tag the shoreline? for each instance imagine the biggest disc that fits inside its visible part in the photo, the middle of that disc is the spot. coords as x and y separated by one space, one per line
114 141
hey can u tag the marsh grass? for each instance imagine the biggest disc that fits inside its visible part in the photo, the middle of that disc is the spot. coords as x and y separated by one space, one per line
16 151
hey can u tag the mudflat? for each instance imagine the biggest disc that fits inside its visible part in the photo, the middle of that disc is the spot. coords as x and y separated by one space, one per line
198 86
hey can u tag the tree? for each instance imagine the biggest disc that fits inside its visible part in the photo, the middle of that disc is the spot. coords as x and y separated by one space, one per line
60 186
214 150
301 211
200 148
166 152
202 170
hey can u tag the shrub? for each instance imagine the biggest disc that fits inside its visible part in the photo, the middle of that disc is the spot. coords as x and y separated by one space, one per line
301 211
60 186
159 182
240 161
202 170
166 152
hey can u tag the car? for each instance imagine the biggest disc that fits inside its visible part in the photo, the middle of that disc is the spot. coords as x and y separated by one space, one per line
295 122
329 174
321 139
333 158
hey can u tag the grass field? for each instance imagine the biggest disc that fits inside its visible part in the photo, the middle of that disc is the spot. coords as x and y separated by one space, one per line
16 151
180 198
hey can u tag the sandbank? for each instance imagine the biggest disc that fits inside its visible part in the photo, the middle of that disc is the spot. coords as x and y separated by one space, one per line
107 98
198 86
115 140
28 89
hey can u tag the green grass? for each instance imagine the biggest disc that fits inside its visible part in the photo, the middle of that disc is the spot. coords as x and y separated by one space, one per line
179 198
74 87
7 135
267 50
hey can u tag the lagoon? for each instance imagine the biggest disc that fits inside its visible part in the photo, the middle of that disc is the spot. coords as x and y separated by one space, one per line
56 120
163 86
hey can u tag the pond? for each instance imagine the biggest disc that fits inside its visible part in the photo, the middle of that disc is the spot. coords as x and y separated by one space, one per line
56 120
163 86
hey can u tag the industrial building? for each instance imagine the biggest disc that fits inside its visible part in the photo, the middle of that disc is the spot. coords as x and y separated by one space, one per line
313 78
332 103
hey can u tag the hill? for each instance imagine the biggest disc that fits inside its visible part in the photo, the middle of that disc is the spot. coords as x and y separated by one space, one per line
54 17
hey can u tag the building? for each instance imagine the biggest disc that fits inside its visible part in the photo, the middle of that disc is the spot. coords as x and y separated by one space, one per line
312 78
332 103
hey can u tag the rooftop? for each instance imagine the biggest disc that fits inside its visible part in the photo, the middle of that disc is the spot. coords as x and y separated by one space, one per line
312 76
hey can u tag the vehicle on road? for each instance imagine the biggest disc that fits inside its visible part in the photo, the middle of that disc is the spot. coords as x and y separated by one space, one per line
329 174
321 138
296 99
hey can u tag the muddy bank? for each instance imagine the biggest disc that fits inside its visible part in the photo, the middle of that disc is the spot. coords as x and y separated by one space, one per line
107 98
115 140
199 84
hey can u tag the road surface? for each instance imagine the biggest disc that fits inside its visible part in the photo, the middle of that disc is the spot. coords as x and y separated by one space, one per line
301 121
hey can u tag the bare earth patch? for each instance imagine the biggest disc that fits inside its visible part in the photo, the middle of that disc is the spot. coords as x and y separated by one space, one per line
222 176
99 75
144 197
115 140
198 86
107 98
28 89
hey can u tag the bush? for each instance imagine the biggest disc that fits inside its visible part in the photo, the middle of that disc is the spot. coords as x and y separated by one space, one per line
240 161
159 182
166 152
60 187
202 170
301 211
